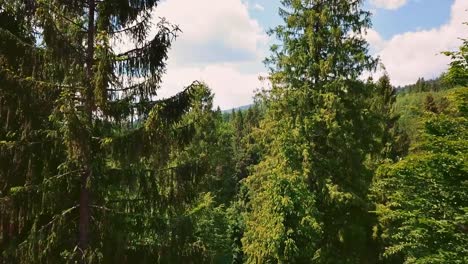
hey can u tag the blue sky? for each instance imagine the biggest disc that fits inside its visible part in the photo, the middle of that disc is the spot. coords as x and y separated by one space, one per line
415 15
412 16
224 42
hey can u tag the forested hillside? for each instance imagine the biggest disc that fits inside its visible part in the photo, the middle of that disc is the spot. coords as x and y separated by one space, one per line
324 167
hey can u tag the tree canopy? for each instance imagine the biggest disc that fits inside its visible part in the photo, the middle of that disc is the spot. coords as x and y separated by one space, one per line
324 167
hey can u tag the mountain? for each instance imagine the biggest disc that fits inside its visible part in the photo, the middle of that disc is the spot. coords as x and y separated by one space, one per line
244 107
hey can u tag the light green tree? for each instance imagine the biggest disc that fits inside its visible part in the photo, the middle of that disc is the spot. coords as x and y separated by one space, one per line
422 199
457 73
319 131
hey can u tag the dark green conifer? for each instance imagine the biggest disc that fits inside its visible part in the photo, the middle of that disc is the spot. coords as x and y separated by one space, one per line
83 140
430 104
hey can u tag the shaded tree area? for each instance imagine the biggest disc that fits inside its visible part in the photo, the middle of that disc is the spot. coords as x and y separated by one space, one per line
93 167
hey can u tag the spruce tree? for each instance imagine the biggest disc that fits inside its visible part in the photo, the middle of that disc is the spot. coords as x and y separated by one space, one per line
308 195
84 139
393 140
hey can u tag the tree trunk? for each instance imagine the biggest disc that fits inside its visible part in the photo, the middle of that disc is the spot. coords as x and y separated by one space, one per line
85 215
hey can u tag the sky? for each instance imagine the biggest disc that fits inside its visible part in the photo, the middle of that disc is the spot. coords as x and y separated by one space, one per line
224 42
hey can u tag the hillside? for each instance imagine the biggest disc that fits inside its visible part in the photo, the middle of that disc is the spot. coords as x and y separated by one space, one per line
413 107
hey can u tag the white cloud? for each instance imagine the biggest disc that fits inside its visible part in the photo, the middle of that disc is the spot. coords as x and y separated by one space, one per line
231 87
210 26
411 55
388 4
258 7
220 44
375 41
223 45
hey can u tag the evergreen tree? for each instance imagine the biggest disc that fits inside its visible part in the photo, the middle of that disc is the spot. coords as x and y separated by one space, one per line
30 154
420 85
430 104
95 169
245 147
80 169
393 140
193 225
319 132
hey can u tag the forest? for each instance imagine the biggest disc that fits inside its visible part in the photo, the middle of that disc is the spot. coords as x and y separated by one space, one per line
325 167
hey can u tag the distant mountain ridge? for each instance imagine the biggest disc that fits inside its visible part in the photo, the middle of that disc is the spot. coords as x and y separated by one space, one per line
244 107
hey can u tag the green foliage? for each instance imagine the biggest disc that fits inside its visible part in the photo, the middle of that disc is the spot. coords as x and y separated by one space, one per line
393 140
430 104
282 227
94 169
422 199
458 71
434 85
318 132
412 110
84 143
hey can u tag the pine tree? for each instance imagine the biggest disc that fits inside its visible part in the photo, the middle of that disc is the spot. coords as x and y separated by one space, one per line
319 133
246 151
90 127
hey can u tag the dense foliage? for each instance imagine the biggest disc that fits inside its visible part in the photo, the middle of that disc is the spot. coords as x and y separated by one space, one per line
324 167
422 199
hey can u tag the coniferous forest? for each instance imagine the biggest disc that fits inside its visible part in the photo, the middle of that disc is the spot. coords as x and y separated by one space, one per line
325 167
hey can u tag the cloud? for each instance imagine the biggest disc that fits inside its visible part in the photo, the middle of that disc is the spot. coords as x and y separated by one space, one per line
258 7
220 44
232 88
376 42
388 4
213 30
411 55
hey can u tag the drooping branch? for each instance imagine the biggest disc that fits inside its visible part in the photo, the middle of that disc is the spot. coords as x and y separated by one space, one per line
149 59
